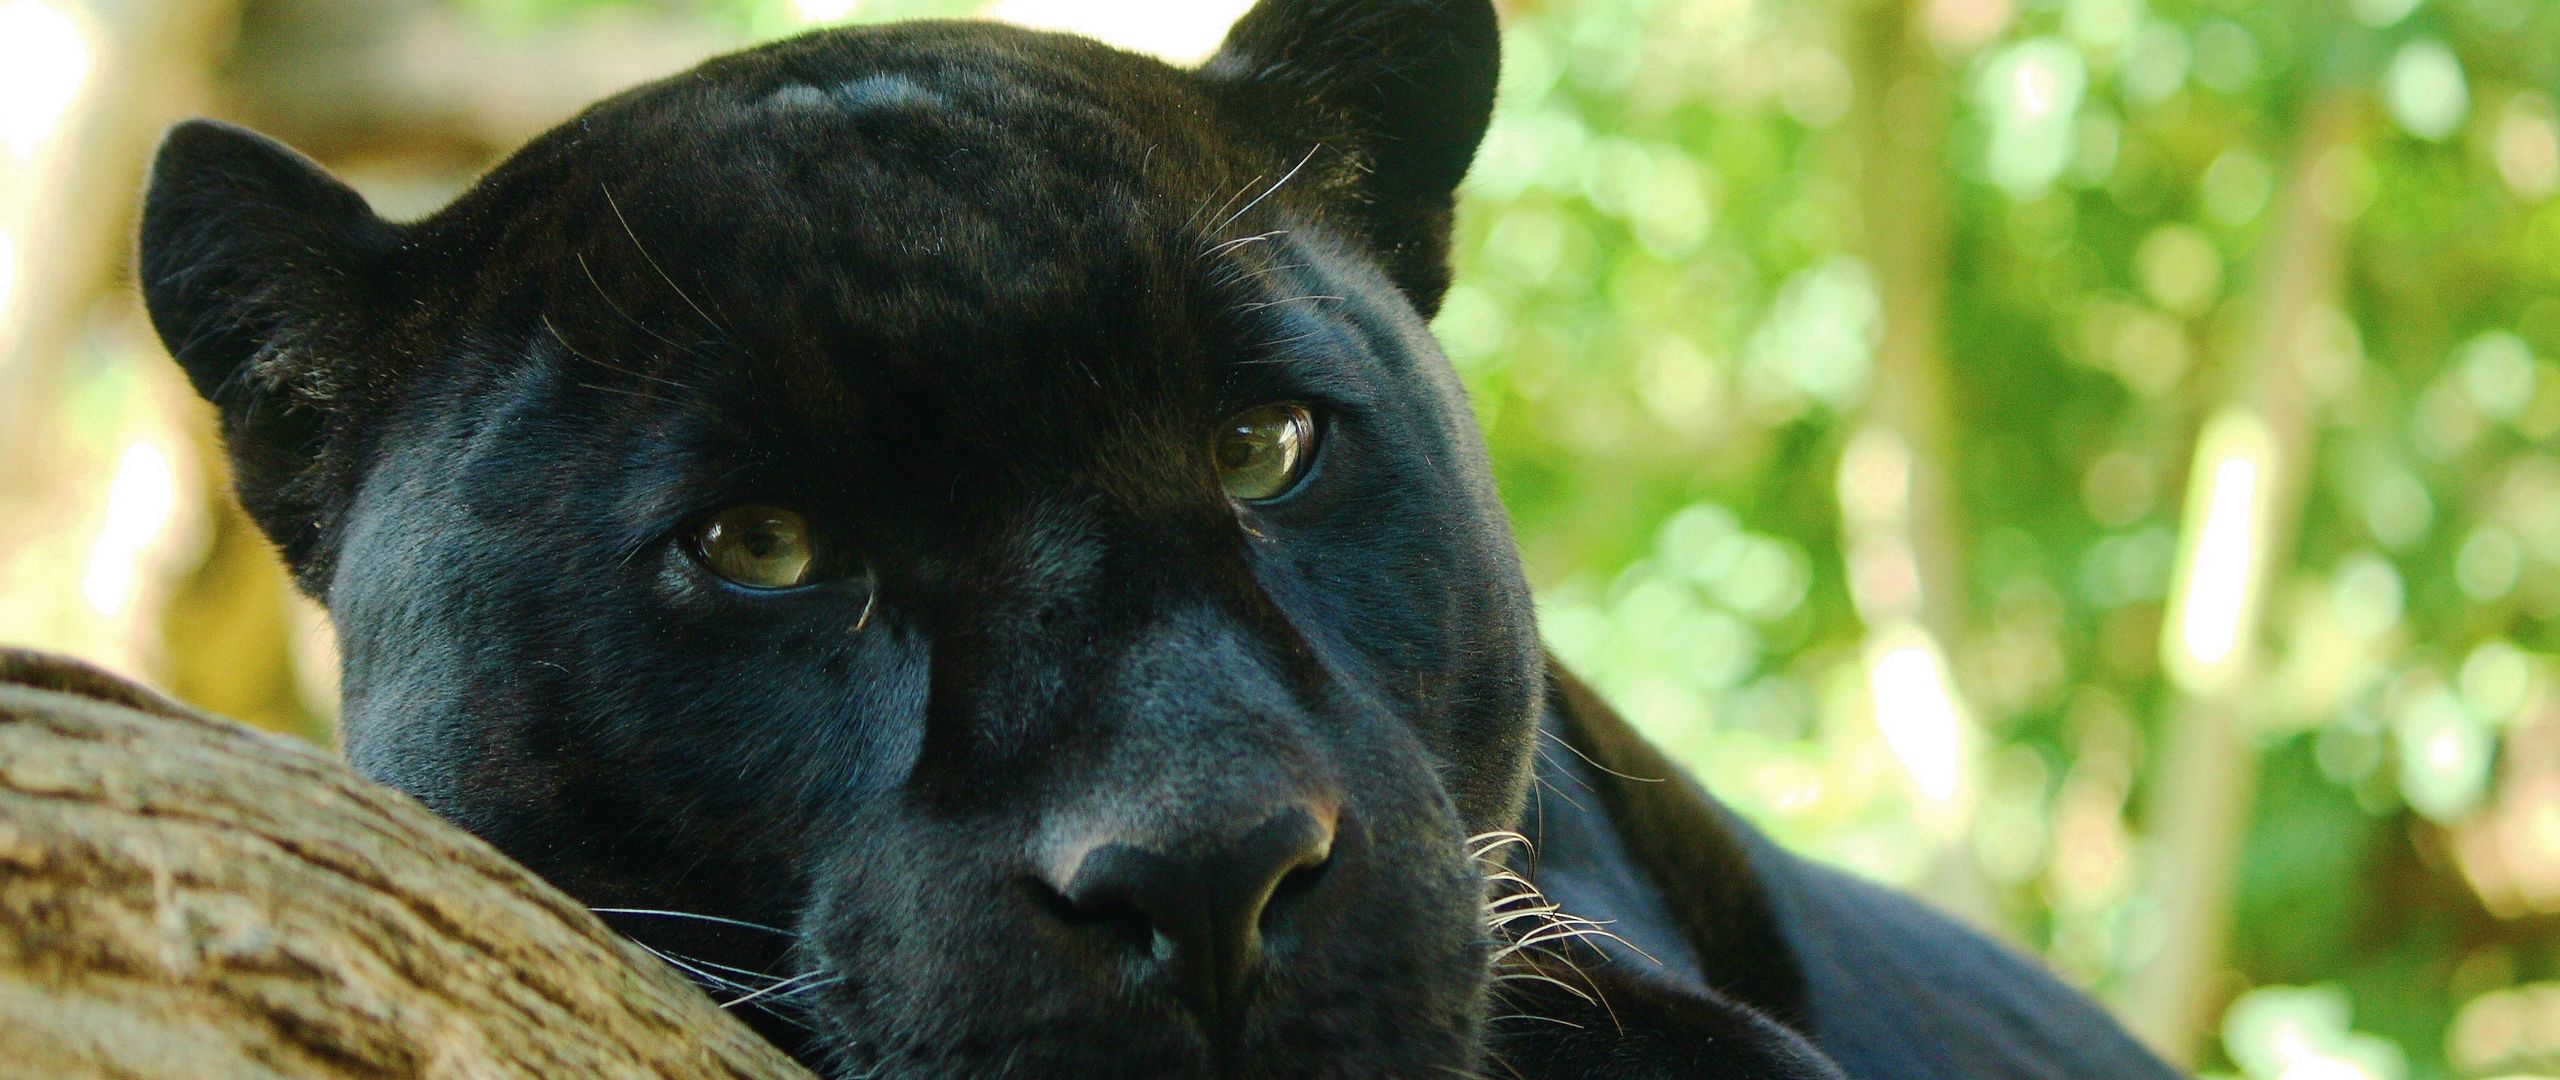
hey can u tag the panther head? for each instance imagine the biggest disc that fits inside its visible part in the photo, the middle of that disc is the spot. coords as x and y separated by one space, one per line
976 517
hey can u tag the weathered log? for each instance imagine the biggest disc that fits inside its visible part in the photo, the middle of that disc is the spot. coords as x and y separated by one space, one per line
185 897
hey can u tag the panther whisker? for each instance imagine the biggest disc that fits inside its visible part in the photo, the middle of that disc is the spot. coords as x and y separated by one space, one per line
1562 926
1596 997
1202 210
695 966
1242 241
563 339
624 392
1586 759
801 979
1270 270
607 297
663 381
1528 975
1292 300
1231 201
1551 785
1536 1017
1546 914
1513 899
769 979
809 988
652 260
720 919
869 601
717 982
1274 189
1496 910
1537 903
1558 931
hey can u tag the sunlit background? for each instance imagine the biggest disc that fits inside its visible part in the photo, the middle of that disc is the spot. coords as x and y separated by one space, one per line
2090 461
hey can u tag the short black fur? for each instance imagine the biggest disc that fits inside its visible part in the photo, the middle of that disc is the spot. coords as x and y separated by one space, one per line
1067 764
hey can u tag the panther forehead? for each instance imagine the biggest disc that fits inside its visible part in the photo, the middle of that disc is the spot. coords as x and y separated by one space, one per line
939 212
911 154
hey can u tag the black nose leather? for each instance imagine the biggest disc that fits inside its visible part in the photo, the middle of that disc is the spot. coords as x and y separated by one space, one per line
1199 909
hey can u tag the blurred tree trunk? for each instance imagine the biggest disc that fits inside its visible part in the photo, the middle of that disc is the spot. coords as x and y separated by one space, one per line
1906 560
1898 121
73 309
2204 775
145 55
182 897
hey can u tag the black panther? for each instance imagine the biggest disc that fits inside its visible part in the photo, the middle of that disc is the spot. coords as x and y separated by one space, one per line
962 535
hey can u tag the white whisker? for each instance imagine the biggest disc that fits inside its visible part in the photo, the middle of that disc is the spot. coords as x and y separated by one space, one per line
1291 300
1242 241
1534 1016
1531 927
801 979
652 260
716 981
722 920
1276 185
1542 977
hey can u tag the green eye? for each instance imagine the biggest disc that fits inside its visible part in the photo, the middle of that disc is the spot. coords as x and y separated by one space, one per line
760 547
1262 451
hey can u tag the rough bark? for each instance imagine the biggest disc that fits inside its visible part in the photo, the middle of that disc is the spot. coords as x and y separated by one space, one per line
184 897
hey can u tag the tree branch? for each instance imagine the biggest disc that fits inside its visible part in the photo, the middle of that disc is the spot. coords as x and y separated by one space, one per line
183 896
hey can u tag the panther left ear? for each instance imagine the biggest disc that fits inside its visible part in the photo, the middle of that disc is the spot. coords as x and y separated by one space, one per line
1395 93
264 275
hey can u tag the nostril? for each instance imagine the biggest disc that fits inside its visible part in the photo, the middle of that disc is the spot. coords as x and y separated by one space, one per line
1299 880
1304 876
1111 913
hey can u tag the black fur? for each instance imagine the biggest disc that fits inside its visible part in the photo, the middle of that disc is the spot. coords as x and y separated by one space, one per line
973 300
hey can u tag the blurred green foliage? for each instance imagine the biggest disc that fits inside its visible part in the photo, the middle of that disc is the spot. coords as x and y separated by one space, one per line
1669 323
1669 326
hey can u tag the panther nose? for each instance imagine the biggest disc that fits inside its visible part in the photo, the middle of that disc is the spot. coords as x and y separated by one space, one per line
1200 910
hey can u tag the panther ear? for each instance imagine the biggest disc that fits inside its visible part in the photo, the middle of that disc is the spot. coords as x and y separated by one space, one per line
1397 94
261 271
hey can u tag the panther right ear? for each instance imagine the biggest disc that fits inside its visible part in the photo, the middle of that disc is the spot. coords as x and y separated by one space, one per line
1399 92
261 272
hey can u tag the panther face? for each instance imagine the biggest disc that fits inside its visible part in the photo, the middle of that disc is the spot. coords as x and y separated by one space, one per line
982 508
